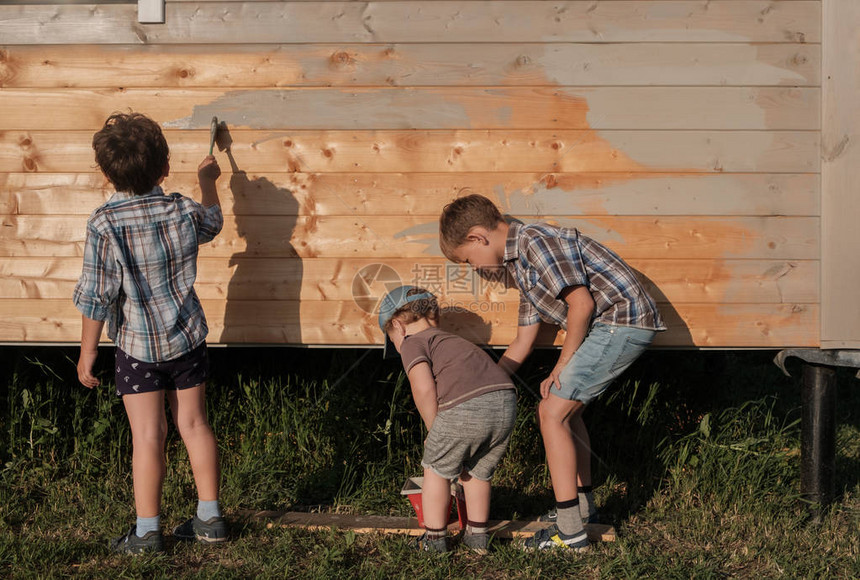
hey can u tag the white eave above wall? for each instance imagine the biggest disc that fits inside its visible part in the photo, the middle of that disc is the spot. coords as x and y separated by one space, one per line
150 11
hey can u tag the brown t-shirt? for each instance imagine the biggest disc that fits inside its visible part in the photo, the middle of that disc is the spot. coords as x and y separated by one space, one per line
462 370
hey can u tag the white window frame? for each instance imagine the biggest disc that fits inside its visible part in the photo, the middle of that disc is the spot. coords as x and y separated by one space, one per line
150 11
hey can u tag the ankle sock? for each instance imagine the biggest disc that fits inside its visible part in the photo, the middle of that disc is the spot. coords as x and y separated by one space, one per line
146 525
206 510
476 527
569 521
586 502
433 534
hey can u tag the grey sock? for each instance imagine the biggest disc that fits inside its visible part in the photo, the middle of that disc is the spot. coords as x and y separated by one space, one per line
146 525
569 521
206 510
586 502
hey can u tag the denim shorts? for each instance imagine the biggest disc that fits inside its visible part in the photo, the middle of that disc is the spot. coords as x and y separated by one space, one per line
136 376
605 353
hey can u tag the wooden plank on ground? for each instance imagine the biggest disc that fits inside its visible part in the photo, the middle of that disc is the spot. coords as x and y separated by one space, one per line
669 237
437 108
409 194
440 21
365 524
262 152
475 64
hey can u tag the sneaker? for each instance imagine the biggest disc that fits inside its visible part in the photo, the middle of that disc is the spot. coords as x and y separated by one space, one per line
478 543
131 544
424 543
211 531
552 516
551 537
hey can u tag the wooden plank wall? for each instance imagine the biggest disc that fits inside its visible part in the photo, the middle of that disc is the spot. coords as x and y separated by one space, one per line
684 134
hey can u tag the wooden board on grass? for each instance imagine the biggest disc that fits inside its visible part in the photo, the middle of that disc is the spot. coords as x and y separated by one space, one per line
365 524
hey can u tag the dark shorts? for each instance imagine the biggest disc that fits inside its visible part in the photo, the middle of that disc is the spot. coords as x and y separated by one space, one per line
135 376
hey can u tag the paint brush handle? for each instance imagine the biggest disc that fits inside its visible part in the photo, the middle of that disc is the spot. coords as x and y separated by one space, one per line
213 130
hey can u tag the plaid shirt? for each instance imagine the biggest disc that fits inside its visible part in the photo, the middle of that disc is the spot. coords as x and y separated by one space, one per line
140 264
544 260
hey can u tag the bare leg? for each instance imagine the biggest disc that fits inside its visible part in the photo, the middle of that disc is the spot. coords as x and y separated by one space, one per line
148 432
583 450
555 414
477 494
189 414
435 500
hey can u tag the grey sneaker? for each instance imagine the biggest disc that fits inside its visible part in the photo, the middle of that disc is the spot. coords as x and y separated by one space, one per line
423 543
131 544
478 543
211 531
551 538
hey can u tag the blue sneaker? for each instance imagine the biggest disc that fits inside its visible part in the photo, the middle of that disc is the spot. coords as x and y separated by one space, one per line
551 537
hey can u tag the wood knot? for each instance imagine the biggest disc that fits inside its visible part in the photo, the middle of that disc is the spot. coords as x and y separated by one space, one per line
550 181
328 153
25 141
523 60
184 73
288 143
341 58
556 145
30 165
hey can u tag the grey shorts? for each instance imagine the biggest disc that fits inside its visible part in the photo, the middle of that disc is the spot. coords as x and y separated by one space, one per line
472 436
605 353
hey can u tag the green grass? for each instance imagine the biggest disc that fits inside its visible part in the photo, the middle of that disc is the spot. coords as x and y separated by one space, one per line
696 462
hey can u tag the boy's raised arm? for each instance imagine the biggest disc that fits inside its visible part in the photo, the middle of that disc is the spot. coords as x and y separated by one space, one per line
208 173
424 392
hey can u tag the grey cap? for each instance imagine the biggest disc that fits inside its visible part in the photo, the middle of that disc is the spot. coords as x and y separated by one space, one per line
391 303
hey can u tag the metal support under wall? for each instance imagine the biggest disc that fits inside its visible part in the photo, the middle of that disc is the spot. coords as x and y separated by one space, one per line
818 437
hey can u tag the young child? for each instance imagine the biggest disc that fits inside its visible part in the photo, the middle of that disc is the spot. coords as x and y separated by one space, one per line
468 404
572 281
140 263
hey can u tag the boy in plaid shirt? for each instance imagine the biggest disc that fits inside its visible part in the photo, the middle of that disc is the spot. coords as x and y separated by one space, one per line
140 264
571 281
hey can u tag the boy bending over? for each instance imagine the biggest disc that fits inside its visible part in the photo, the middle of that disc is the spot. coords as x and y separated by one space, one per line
140 263
468 404
571 281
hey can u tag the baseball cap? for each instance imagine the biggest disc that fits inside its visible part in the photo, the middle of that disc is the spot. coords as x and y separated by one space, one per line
390 304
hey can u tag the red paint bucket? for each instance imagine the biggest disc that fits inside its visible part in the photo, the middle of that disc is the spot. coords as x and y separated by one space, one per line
412 491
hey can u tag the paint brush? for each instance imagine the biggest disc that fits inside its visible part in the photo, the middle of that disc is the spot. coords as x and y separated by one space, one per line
213 130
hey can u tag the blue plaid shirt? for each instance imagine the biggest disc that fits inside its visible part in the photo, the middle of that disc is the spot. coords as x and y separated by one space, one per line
544 260
140 264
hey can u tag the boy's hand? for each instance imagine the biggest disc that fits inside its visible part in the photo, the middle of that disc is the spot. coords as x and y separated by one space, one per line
552 379
85 368
208 170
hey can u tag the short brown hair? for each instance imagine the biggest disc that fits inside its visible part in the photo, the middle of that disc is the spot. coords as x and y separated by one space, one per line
460 216
416 310
132 152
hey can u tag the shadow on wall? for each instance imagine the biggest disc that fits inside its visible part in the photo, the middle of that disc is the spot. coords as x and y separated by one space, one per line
263 295
681 335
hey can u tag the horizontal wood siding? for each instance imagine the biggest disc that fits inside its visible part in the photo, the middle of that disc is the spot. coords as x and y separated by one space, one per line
684 135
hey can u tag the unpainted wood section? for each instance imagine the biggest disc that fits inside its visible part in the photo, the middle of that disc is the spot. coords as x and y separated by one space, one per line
447 151
241 278
719 108
677 237
490 64
344 323
840 213
439 21
411 194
